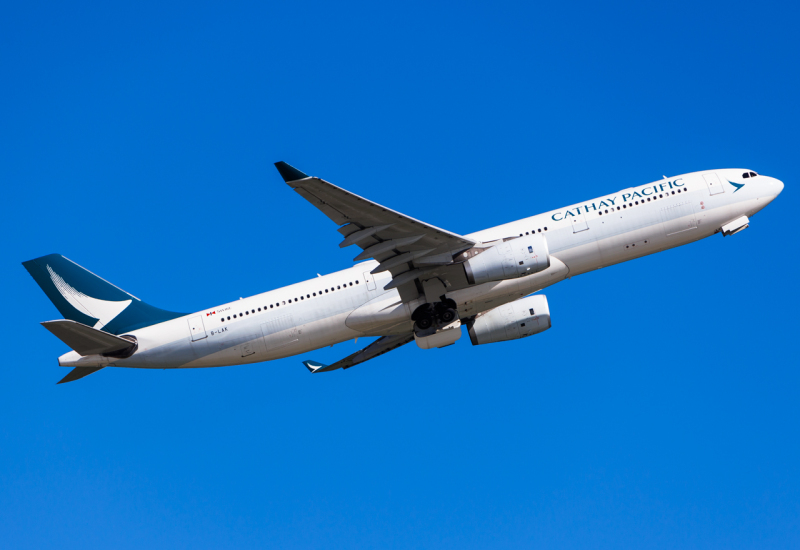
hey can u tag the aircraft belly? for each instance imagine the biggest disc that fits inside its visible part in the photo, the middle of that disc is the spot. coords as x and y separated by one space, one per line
384 311
330 330
287 341
172 355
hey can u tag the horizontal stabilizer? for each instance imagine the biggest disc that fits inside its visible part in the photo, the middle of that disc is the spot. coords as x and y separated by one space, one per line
78 373
86 340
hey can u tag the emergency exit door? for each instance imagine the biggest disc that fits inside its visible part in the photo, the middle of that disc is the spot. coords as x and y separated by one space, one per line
579 223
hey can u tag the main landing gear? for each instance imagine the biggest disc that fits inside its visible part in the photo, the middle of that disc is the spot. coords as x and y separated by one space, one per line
436 325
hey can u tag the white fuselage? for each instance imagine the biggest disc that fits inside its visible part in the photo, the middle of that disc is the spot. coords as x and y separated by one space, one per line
351 303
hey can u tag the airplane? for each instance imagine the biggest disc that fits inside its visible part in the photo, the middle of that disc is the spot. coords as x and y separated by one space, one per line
413 281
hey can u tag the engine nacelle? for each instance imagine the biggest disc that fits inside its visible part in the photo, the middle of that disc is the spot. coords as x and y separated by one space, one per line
518 319
510 259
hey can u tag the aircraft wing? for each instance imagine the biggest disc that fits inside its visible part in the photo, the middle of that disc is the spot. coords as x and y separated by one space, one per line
376 348
405 247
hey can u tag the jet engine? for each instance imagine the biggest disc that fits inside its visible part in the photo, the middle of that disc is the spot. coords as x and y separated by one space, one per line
518 319
510 259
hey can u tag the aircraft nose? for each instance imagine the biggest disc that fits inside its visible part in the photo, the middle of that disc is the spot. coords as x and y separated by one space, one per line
774 188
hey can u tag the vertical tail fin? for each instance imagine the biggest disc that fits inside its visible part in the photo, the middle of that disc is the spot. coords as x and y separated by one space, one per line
82 296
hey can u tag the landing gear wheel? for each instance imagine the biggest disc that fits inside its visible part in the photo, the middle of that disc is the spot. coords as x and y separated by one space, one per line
448 316
424 323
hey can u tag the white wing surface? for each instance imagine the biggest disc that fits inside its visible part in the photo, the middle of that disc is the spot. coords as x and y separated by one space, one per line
406 247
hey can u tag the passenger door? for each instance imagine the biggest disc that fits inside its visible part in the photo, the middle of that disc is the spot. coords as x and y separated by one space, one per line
713 182
197 329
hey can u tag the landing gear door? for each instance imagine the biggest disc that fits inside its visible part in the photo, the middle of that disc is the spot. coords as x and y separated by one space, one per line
196 328
713 182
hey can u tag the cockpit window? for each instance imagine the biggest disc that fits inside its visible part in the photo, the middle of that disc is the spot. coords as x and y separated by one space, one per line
753 174
746 175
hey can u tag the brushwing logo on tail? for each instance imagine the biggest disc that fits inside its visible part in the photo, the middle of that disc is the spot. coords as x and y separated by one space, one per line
102 310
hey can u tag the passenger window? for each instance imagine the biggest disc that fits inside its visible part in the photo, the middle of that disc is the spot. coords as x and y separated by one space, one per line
326 290
540 230
356 281
229 317
531 310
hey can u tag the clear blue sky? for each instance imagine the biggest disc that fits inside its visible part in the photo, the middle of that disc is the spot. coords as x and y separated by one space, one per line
660 411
